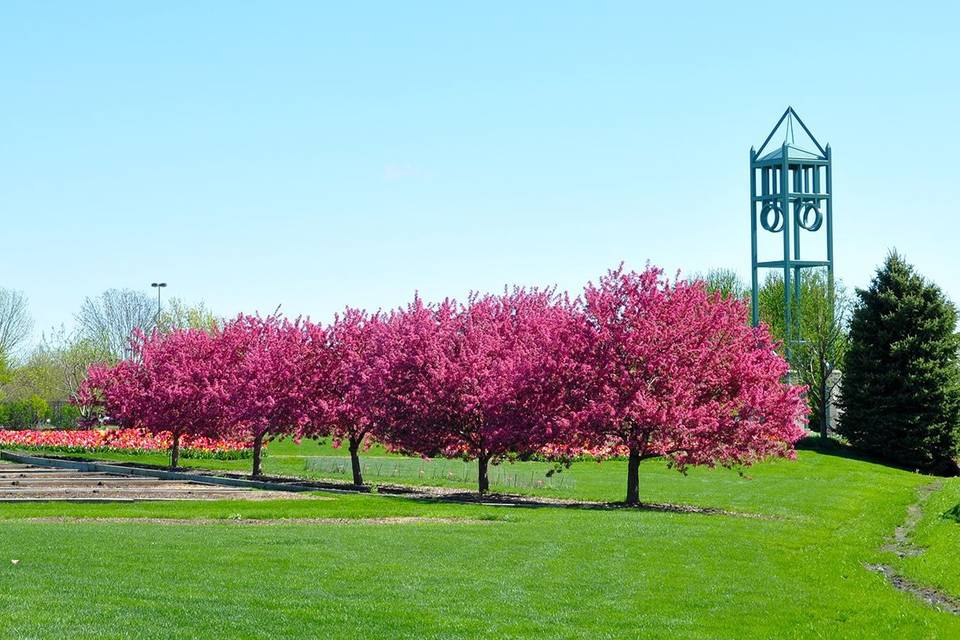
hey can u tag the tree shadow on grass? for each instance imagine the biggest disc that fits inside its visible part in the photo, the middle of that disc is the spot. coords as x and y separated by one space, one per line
535 502
836 448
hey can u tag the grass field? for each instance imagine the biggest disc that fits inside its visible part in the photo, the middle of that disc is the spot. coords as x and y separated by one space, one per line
796 571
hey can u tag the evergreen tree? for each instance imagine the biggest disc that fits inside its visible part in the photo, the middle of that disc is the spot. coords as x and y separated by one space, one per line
901 387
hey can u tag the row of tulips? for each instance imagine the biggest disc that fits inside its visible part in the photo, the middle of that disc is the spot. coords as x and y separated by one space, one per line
123 440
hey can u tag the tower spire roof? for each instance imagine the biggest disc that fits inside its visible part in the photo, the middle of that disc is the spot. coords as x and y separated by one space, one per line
799 145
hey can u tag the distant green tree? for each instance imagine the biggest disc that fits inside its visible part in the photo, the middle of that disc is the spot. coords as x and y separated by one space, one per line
54 368
819 338
27 413
177 314
36 376
6 373
814 297
724 281
901 389
65 415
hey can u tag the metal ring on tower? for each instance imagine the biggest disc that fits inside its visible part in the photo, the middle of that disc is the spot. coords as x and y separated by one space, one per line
811 209
776 225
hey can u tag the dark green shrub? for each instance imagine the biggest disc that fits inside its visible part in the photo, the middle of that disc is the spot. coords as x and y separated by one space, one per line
953 514
65 416
28 413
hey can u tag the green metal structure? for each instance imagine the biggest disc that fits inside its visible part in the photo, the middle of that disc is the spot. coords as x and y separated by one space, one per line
791 193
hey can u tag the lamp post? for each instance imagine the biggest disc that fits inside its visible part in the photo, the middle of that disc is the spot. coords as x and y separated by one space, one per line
158 286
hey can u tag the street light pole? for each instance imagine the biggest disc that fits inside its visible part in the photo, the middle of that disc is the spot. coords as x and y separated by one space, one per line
158 286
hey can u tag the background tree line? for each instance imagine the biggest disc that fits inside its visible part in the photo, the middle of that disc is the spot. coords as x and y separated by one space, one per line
38 380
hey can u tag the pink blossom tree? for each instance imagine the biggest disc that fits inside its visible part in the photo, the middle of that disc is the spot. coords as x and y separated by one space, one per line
477 381
172 383
102 393
265 366
670 370
348 393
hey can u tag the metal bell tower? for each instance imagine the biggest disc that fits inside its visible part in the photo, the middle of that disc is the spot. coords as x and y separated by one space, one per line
791 193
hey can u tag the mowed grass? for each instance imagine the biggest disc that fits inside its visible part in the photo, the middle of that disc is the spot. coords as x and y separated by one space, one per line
508 572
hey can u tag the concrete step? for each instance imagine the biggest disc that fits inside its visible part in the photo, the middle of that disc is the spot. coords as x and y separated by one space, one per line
34 481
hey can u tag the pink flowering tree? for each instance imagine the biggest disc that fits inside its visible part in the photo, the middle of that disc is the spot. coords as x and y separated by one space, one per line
172 383
265 364
670 370
103 393
348 382
477 381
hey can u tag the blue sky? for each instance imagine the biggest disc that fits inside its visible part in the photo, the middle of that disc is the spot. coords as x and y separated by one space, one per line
321 154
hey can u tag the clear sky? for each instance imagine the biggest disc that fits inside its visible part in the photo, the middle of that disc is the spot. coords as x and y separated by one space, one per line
321 154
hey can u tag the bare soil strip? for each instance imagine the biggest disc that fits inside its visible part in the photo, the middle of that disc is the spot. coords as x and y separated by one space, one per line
252 521
901 545
26 483
139 495
934 598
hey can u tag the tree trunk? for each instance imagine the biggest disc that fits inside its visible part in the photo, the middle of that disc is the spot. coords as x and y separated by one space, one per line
633 477
483 480
175 451
257 456
355 460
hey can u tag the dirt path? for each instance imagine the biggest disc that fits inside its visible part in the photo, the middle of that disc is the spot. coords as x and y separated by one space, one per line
901 545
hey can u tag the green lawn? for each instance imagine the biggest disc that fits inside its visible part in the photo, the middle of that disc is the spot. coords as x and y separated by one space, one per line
509 572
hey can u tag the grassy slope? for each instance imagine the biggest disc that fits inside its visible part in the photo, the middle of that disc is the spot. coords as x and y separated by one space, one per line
939 565
537 573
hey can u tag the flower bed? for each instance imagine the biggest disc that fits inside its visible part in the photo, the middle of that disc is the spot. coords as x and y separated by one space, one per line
124 441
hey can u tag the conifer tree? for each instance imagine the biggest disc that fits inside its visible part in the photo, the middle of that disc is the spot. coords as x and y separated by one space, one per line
901 387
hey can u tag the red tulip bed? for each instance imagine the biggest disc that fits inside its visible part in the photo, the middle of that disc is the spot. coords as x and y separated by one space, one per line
123 441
